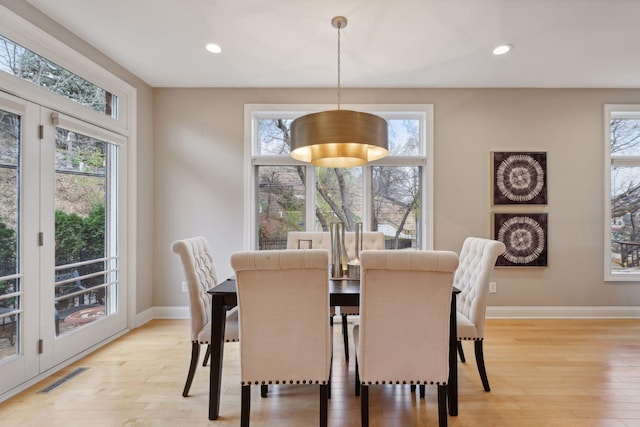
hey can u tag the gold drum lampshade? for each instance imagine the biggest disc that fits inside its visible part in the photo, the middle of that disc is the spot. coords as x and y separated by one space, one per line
339 138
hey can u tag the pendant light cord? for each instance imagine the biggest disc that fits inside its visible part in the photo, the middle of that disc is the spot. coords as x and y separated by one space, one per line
339 26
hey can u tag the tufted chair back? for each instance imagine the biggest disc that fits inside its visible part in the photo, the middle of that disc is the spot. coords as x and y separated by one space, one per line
477 259
415 338
200 275
283 301
322 240
408 346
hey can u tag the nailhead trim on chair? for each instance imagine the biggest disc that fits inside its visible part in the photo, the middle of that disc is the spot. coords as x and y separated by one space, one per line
402 382
207 342
470 339
283 382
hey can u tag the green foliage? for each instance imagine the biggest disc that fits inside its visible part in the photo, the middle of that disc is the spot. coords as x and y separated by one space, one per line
78 238
7 250
8 258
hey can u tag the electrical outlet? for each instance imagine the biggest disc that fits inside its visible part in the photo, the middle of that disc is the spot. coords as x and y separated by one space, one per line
492 287
184 286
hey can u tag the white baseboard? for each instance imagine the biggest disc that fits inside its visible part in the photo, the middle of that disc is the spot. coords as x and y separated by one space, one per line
171 312
144 317
569 312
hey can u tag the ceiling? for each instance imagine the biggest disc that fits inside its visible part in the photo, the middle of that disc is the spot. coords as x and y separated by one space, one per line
402 43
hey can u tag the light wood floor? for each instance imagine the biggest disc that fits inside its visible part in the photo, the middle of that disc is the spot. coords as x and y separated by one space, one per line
551 373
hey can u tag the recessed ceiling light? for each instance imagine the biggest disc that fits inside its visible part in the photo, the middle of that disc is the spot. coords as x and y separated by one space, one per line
502 49
213 48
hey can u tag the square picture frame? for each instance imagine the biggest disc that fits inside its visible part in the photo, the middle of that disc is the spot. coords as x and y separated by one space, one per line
525 236
519 177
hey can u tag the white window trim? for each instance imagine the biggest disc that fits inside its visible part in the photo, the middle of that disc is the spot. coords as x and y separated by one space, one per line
252 111
26 34
35 39
617 111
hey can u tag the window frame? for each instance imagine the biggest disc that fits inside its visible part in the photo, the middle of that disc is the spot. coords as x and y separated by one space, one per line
612 111
30 36
254 112
114 256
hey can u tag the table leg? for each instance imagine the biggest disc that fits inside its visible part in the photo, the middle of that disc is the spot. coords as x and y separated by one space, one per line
218 320
453 359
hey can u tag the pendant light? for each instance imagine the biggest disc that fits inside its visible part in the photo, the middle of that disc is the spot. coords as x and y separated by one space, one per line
339 138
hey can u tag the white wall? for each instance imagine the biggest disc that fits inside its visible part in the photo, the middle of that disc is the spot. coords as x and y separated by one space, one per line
199 171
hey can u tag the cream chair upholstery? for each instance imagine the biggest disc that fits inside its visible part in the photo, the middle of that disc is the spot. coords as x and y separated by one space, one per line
477 260
322 240
200 275
283 300
319 240
408 346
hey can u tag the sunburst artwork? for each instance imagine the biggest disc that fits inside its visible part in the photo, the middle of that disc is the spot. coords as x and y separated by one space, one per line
519 178
525 238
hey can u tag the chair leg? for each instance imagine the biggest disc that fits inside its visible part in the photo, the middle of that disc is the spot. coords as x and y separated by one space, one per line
245 406
345 336
480 363
206 355
364 405
264 389
195 352
461 352
330 375
442 406
324 404
423 391
357 379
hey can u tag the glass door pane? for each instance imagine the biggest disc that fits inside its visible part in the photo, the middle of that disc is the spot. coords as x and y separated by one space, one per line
19 259
10 283
84 266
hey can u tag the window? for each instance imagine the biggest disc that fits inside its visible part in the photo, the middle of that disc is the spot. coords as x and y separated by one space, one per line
27 65
622 192
391 195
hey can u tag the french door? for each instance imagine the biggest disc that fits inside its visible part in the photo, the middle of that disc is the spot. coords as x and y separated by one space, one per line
62 287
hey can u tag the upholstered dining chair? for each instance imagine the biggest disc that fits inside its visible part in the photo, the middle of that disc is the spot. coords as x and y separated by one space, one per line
322 240
408 346
477 260
292 343
200 274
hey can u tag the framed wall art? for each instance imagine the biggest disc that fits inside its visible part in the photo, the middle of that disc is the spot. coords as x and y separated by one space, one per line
525 236
519 178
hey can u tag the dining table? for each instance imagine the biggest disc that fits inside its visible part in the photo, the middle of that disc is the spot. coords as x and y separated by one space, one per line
342 292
